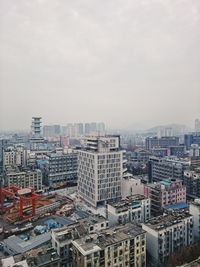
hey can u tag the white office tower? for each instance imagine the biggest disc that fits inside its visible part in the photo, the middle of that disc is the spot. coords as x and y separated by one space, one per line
100 170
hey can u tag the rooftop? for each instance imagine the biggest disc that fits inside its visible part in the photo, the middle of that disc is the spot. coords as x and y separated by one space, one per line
196 202
10 262
93 219
17 245
167 220
177 206
169 183
44 257
133 201
67 233
98 241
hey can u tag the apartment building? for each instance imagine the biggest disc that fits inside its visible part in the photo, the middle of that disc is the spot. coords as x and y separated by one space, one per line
15 156
162 168
117 246
191 180
62 237
167 234
165 193
135 209
24 179
100 170
194 209
61 168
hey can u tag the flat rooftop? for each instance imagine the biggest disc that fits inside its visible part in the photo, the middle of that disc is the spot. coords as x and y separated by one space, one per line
196 202
167 220
177 206
65 234
18 246
133 201
98 241
93 219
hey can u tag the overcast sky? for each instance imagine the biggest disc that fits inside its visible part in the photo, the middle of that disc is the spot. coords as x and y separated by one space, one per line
124 62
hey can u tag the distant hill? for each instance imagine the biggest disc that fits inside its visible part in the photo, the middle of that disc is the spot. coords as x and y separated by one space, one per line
177 128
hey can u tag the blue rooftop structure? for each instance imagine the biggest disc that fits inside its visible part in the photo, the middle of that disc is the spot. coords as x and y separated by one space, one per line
136 205
166 182
41 161
177 206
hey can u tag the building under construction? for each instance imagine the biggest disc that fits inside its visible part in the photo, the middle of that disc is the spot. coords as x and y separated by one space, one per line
19 204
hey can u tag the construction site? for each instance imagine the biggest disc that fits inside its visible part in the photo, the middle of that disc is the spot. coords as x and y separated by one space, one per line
22 205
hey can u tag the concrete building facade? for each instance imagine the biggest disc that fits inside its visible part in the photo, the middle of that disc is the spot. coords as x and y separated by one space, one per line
100 170
165 193
191 180
117 246
167 234
194 209
135 209
163 142
24 179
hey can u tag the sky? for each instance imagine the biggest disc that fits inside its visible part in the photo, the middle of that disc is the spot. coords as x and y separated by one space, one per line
131 64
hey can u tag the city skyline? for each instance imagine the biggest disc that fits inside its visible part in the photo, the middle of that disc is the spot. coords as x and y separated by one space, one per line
129 64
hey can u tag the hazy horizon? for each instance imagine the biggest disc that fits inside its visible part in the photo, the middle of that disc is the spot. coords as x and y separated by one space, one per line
124 63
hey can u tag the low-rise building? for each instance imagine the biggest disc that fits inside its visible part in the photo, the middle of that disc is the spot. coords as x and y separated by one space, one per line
194 209
14 245
117 246
165 193
167 234
136 209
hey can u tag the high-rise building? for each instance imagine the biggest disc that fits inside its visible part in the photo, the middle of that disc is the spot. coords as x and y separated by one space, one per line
163 132
193 138
57 130
101 127
197 125
100 170
79 127
87 128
